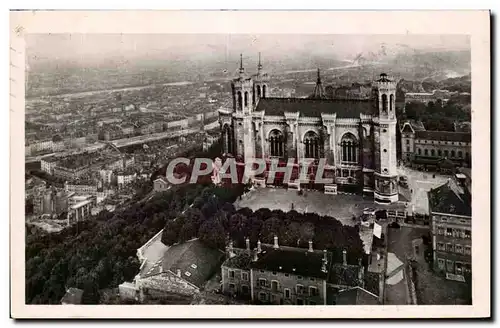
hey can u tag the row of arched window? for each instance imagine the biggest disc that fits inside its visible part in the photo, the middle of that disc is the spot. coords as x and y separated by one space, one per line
313 146
442 153
386 104
243 99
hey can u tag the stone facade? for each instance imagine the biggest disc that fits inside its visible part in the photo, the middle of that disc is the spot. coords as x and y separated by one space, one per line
273 274
285 288
451 227
419 145
452 243
357 137
163 285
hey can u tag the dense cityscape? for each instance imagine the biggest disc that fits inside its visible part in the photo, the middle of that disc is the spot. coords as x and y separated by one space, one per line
104 225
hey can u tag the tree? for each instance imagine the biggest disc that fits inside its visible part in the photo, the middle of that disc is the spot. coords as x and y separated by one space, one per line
290 233
271 228
171 233
212 233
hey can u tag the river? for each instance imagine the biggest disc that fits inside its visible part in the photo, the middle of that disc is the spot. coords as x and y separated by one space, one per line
93 92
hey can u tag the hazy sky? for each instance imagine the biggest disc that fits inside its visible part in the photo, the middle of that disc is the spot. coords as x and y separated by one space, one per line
92 47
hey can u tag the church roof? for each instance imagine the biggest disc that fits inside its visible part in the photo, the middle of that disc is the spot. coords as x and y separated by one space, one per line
345 108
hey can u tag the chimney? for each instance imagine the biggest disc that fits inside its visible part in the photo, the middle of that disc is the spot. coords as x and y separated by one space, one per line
247 241
255 255
259 246
344 257
178 272
361 274
230 249
310 246
276 246
325 262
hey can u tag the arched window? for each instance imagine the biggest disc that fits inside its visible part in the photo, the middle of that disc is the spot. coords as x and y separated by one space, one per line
264 89
440 153
419 151
432 152
391 103
227 138
258 91
460 155
426 152
384 103
452 154
239 100
276 143
446 153
312 145
246 98
349 147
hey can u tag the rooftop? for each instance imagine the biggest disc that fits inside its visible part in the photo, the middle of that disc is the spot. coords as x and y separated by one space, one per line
443 136
297 261
356 296
449 198
344 275
72 296
344 108
195 261
413 125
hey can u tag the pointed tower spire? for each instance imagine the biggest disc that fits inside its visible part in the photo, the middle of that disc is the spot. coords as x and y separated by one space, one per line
319 93
242 70
259 66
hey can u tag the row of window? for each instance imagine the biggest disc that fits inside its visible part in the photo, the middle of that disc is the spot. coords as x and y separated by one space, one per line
264 297
440 152
454 232
440 142
457 248
244 275
453 266
299 289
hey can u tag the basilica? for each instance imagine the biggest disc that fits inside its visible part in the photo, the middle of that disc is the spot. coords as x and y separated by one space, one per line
357 137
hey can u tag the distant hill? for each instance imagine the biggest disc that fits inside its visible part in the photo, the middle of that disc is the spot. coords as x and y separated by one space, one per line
412 64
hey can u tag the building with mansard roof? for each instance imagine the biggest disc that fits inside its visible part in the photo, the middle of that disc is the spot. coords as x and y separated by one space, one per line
357 137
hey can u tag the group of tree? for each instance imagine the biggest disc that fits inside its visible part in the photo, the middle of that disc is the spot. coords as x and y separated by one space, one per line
101 252
436 115
214 220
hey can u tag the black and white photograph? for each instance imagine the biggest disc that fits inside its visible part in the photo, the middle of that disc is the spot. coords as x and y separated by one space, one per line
252 170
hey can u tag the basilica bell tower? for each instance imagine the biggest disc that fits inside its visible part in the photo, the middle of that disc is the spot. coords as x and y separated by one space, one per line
386 174
243 105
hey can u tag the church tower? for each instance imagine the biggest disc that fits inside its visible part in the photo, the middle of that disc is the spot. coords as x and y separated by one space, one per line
243 105
242 89
319 92
386 174
261 83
